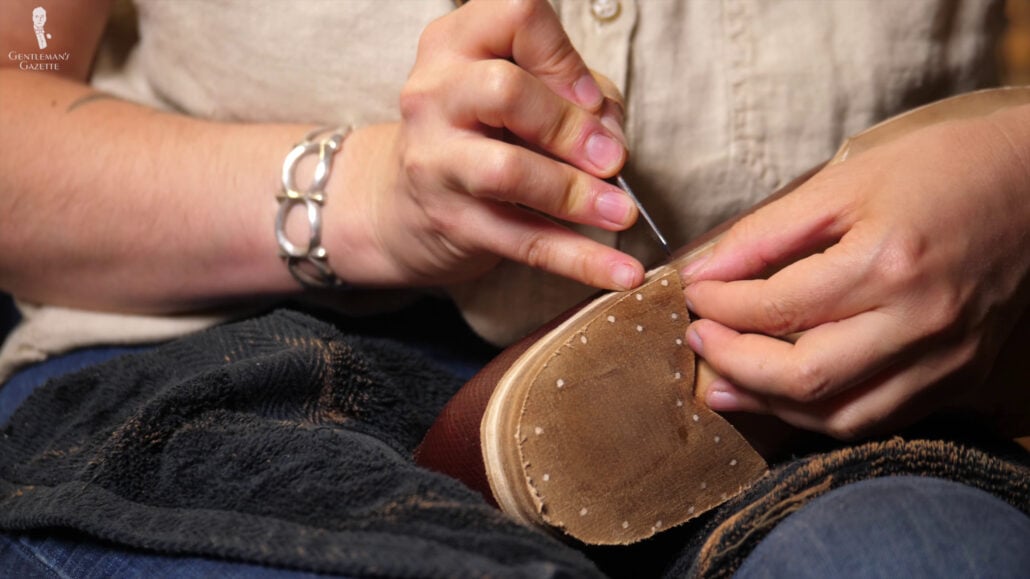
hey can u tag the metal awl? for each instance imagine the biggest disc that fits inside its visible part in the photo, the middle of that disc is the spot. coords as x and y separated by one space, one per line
643 212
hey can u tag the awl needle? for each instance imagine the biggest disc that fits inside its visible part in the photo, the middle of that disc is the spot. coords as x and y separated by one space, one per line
650 222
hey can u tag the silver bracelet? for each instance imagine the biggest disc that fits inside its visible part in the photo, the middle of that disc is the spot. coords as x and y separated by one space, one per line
308 264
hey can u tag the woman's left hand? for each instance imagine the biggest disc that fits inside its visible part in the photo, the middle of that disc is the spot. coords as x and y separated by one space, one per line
914 269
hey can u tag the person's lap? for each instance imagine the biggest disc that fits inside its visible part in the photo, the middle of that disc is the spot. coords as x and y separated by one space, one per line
71 555
29 556
888 527
897 527
901 526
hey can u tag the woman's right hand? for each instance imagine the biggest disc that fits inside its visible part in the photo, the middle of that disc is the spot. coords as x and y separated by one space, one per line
158 213
502 123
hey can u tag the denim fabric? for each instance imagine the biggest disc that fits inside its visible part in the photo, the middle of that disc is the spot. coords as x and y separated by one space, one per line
908 527
29 557
21 385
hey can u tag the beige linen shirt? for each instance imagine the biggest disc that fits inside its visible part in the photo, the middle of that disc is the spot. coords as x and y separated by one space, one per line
726 100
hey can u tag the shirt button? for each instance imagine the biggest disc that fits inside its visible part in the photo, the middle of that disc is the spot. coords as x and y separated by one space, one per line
605 10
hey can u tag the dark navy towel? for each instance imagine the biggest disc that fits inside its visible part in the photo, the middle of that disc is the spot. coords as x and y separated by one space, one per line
277 440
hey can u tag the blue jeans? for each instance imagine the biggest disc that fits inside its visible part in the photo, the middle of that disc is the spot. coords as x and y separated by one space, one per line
28 557
897 527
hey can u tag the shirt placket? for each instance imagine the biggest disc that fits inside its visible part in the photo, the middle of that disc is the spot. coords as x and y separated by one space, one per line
601 30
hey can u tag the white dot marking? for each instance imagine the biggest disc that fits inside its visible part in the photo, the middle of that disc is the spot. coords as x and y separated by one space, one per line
583 512
547 477
690 511
704 485
560 383
679 341
583 339
640 297
733 462
665 283
538 430
611 319
718 439
696 417
675 316
677 376
640 328
679 403
625 524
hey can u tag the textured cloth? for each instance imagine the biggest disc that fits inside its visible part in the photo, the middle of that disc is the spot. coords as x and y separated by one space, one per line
725 101
924 527
727 539
278 441
283 441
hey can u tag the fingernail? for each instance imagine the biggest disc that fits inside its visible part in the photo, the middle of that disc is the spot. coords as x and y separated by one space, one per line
624 276
604 152
690 303
588 94
616 208
695 341
613 123
720 397
694 267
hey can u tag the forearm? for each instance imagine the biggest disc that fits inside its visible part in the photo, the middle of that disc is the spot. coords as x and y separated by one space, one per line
156 212
111 205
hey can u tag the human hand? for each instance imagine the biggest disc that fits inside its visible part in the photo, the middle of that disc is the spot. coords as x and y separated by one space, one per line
914 267
500 114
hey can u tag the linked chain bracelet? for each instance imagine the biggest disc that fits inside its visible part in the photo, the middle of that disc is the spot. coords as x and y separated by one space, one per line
308 264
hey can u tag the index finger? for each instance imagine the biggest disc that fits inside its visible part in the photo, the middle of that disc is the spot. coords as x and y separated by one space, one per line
823 362
527 32
829 286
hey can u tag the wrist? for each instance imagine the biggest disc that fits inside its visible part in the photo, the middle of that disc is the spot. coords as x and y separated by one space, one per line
364 173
